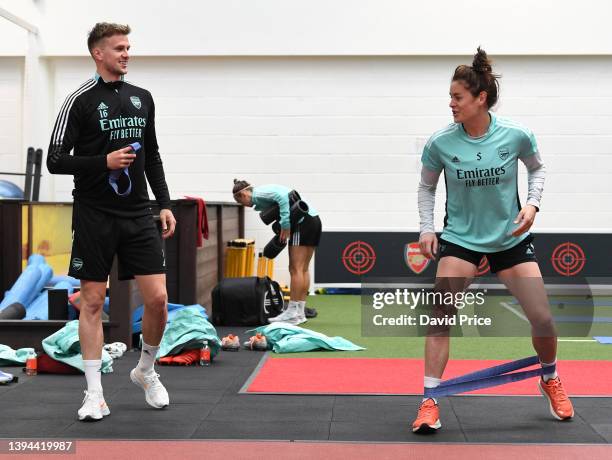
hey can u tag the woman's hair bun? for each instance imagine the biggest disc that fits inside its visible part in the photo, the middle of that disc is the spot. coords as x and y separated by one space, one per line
481 62
239 185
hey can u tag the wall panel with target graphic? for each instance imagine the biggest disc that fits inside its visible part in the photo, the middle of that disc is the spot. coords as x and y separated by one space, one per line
358 257
344 257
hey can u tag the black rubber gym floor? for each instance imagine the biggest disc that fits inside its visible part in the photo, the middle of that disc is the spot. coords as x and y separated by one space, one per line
205 404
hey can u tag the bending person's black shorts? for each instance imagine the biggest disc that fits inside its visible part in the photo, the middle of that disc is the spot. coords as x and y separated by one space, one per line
307 232
522 252
98 236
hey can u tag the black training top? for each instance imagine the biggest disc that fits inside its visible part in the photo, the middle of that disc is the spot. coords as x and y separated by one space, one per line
99 118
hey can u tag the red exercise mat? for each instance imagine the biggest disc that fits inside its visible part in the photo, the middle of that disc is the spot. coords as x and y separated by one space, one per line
343 376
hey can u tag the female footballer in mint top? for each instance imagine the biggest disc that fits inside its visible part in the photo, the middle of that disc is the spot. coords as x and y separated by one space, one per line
479 155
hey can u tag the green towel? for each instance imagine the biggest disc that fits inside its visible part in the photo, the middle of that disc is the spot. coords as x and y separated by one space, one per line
64 346
10 357
188 330
285 338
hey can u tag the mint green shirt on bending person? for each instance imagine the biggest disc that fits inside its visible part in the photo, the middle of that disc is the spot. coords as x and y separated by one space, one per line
480 174
266 196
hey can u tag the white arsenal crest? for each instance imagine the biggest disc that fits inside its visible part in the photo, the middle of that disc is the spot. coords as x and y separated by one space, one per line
136 101
415 261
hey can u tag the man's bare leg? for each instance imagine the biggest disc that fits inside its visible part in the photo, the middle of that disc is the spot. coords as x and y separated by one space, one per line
91 339
153 291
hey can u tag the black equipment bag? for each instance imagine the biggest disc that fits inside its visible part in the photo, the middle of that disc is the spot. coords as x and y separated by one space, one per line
246 301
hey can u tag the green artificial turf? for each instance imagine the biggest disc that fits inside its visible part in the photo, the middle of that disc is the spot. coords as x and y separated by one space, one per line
340 315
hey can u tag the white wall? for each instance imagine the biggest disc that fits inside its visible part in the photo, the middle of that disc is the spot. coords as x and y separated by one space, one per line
13 39
335 27
347 132
11 155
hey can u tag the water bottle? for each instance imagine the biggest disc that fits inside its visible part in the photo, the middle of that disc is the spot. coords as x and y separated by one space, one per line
31 365
205 355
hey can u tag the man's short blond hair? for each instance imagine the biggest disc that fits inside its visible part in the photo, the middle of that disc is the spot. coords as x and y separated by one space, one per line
104 30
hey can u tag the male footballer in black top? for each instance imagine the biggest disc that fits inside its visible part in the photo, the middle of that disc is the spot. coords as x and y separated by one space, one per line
110 125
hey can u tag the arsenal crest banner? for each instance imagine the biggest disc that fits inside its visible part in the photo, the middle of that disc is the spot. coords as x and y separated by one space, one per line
346 257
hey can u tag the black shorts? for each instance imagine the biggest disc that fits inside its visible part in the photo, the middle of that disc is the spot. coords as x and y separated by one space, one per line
522 252
98 236
306 233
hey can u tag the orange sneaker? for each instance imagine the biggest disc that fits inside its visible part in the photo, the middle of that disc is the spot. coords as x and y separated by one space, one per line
186 357
559 404
230 342
428 418
257 342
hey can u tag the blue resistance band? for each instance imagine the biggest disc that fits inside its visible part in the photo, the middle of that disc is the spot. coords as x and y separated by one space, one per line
113 176
489 377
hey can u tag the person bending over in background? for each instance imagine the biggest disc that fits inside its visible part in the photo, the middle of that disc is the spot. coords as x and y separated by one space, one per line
479 155
112 213
303 238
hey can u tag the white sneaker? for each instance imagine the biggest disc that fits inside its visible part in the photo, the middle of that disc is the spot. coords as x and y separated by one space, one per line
116 349
155 393
94 407
290 316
